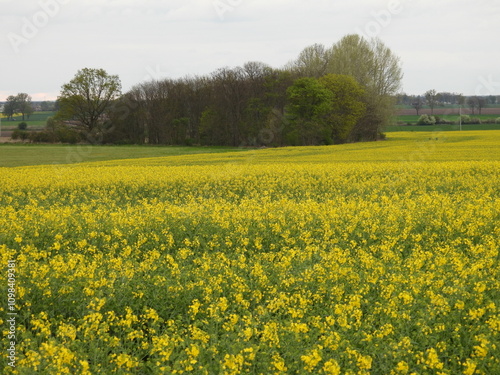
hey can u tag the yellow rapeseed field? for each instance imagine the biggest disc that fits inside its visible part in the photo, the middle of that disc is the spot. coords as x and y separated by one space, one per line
376 258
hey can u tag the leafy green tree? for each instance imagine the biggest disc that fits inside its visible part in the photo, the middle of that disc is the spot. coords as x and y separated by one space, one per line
47 106
309 105
21 103
378 71
10 107
346 107
426 120
24 105
88 96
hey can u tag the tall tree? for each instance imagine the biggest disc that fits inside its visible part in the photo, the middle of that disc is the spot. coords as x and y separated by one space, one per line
88 96
417 104
312 61
431 97
24 105
309 104
472 103
10 107
21 103
346 106
378 70
481 103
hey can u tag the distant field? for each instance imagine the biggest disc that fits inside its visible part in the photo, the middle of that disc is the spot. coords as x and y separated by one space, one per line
437 141
36 120
434 128
414 118
448 110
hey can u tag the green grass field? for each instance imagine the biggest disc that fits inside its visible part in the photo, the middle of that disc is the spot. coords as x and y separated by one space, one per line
435 143
439 128
14 155
455 118
36 121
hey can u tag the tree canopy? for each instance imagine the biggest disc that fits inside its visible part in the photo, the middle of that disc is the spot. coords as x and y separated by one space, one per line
20 103
339 94
88 96
346 107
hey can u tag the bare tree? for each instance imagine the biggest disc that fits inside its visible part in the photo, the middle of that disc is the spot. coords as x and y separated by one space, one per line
417 104
472 103
481 103
431 97
312 61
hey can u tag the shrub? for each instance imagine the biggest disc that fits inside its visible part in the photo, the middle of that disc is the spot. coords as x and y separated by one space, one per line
20 134
426 120
62 134
22 126
470 120
68 135
497 121
465 119
41 137
488 121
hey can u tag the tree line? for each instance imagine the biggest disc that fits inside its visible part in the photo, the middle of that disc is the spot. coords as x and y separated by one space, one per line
344 93
433 99
20 103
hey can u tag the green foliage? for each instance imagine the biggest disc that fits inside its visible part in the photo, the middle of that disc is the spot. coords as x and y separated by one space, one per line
466 119
324 110
20 134
55 132
21 103
209 122
426 120
378 71
22 126
88 96
347 105
251 105
308 99
309 105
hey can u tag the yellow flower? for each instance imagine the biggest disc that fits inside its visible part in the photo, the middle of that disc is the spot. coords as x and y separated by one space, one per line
279 363
331 367
311 360
470 367
402 367
124 360
232 364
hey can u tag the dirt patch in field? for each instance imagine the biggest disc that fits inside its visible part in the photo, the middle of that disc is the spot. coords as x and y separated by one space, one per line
5 136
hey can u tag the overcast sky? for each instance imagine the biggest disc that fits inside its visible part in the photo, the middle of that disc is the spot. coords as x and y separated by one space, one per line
447 45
